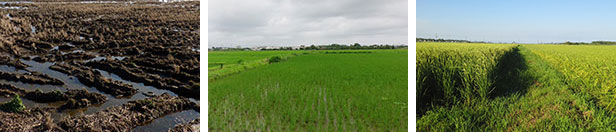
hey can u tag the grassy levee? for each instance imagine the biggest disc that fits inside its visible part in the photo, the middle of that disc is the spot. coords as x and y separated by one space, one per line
542 100
224 63
454 73
315 92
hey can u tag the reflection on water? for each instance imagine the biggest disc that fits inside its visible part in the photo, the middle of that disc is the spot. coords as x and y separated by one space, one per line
32 29
169 121
104 58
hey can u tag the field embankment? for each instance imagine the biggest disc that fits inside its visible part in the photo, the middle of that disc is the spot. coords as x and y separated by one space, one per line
224 63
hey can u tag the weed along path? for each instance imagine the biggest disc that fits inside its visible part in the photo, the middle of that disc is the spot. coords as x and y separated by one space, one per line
532 97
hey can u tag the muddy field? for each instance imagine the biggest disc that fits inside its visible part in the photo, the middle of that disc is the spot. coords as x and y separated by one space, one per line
94 66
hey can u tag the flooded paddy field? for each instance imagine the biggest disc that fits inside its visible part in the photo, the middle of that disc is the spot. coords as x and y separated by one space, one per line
120 65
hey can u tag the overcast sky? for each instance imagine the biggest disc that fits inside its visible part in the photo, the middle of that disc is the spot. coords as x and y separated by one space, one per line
251 23
526 21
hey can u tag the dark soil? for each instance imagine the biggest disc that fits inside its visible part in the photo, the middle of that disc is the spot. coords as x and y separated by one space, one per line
93 78
31 77
31 120
158 44
75 98
191 126
129 115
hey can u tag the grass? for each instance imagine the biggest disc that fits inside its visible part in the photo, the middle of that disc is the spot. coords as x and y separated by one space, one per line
15 105
543 97
315 92
224 63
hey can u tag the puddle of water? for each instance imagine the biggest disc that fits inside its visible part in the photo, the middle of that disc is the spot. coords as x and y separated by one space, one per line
32 29
31 104
161 124
14 2
69 81
139 86
13 7
74 51
97 2
168 121
6 68
104 58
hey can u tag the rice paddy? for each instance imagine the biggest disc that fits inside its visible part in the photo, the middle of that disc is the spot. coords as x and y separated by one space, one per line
312 91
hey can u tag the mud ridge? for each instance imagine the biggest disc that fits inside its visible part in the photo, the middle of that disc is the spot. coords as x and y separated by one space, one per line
129 115
75 98
133 72
30 120
31 77
93 78
192 126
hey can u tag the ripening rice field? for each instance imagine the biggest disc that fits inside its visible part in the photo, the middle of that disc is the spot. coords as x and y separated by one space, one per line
505 87
587 69
316 91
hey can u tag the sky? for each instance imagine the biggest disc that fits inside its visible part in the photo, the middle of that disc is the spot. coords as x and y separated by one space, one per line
520 21
251 23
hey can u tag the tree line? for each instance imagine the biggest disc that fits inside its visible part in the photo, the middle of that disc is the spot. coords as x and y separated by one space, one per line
446 40
592 43
355 46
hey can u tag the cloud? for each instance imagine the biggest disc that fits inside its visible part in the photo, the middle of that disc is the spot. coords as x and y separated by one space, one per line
304 22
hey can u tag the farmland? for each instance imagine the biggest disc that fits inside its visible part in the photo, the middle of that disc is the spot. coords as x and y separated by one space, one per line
76 66
223 63
341 90
505 87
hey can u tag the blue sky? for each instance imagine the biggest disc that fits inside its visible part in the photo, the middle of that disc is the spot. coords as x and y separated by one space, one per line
522 21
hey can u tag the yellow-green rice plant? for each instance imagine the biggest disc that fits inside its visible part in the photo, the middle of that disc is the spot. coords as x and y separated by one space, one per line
451 73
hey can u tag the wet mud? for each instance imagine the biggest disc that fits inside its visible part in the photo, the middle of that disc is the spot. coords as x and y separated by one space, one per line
121 64
129 115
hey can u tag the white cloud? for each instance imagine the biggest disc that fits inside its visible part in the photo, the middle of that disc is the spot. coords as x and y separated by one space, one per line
299 22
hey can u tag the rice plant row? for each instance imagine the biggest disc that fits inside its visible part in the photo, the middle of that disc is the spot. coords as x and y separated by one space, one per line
457 73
